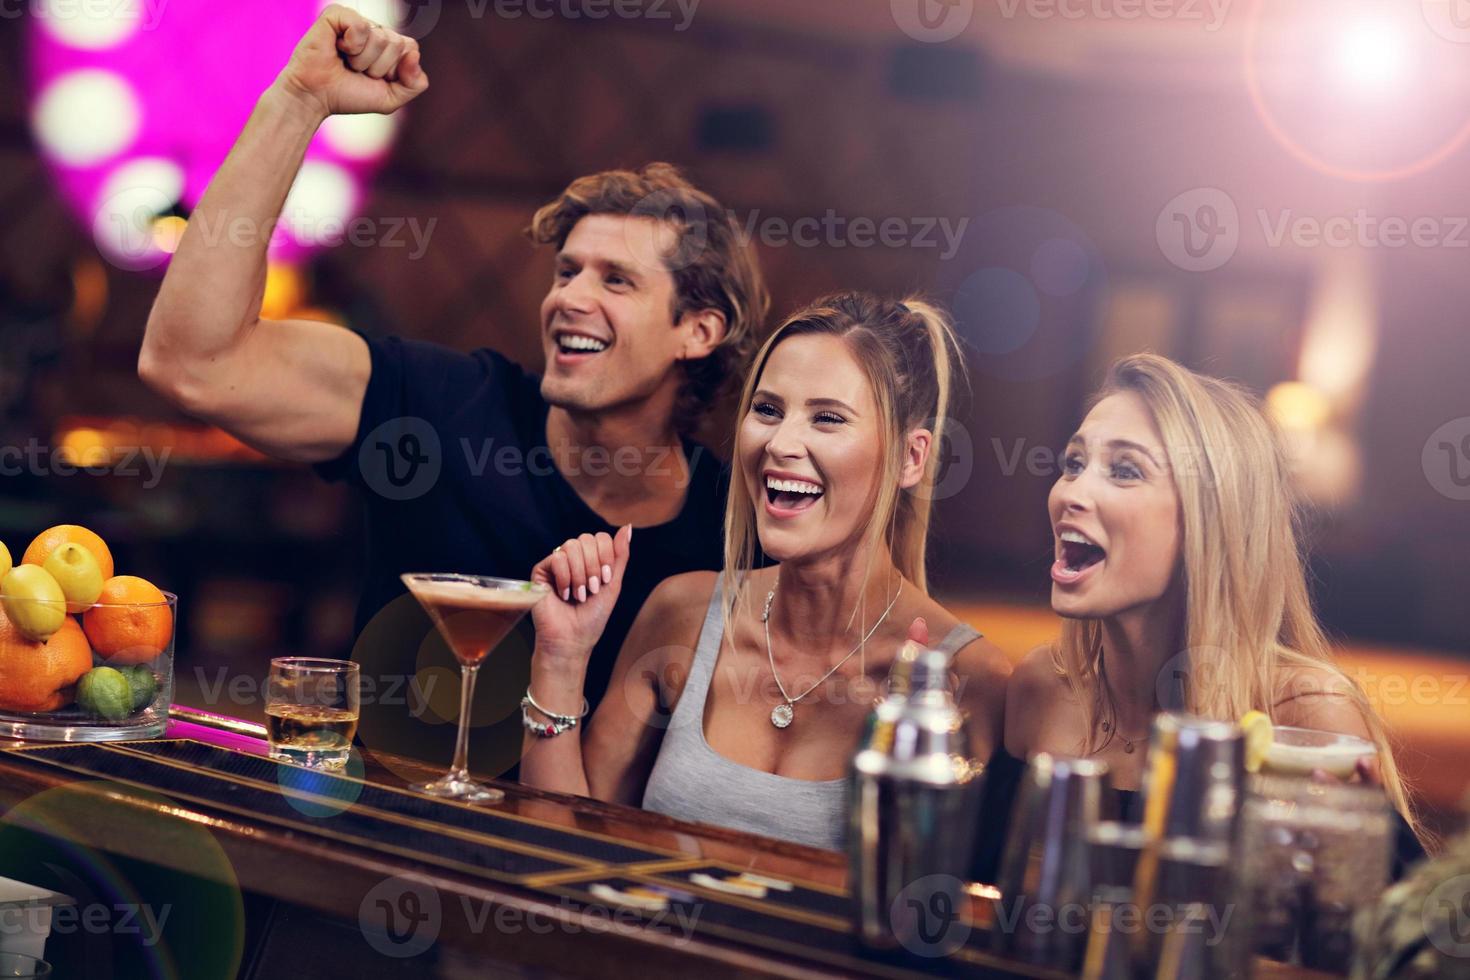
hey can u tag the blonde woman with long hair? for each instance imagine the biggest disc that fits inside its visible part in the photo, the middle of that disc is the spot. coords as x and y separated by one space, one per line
1179 575
739 696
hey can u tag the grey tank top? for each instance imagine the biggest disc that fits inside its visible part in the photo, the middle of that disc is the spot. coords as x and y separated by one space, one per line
691 781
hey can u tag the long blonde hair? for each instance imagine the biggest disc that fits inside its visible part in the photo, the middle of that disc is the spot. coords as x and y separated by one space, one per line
1248 618
909 353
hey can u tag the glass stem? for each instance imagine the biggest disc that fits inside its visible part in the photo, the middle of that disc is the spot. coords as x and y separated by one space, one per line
461 767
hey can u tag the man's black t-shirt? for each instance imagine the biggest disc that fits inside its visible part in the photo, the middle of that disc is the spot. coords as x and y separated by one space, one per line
451 459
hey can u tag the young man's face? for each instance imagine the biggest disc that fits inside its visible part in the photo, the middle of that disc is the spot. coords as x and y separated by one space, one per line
607 323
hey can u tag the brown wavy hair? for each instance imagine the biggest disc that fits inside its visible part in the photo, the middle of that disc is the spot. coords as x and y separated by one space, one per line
712 268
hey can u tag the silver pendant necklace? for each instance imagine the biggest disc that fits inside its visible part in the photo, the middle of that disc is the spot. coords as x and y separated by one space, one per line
784 713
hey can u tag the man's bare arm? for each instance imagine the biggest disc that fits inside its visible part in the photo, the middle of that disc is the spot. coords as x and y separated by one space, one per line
291 388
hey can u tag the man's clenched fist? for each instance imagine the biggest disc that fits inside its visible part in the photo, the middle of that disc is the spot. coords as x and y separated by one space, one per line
347 64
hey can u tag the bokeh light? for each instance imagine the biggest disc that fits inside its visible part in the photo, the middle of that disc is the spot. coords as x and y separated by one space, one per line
135 106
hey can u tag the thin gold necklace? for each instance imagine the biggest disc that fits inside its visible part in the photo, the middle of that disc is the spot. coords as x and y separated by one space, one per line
1108 727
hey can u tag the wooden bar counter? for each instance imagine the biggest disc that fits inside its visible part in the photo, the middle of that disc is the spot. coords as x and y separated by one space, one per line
312 875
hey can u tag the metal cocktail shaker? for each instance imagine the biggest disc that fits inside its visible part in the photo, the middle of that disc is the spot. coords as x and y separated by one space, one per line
1195 779
1193 790
913 804
1042 915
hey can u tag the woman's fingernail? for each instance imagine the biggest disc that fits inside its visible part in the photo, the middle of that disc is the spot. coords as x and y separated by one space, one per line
607 573
594 584
566 594
581 593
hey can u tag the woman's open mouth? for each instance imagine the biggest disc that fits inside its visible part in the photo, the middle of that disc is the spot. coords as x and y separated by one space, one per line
787 498
1079 555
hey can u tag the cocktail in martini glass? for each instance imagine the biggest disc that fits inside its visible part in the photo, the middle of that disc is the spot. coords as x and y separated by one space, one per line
473 613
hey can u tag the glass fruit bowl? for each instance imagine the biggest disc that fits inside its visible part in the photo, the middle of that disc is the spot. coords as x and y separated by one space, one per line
106 674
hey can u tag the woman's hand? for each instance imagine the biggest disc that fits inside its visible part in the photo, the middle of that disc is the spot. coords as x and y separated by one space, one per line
586 575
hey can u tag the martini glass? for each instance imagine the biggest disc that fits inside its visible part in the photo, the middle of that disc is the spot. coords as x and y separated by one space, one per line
473 613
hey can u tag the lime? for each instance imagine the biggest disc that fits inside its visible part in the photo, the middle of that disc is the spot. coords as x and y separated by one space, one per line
143 683
105 692
1258 738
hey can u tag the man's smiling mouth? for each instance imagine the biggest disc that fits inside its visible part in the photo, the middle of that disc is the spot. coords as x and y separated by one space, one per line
572 343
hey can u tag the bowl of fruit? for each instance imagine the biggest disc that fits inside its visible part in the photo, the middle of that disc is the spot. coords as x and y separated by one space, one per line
85 655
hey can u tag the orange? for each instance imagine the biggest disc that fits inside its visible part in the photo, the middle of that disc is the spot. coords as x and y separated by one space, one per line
41 676
131 623
54 537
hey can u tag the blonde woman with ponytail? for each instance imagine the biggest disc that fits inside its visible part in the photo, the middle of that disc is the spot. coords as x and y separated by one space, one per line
1178 571
739 696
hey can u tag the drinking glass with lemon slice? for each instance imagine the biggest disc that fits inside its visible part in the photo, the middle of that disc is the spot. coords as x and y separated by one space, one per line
1283 750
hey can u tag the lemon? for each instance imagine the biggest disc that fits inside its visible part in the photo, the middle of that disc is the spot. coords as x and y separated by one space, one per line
6 564
33 600
105 692
77 572
1258 738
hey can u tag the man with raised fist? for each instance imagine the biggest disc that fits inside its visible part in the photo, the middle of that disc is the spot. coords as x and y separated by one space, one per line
468 463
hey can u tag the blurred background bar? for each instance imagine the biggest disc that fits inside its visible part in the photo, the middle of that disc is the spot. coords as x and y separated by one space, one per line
1268 192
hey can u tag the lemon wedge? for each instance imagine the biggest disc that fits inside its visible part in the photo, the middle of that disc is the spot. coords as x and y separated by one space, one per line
1258 738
